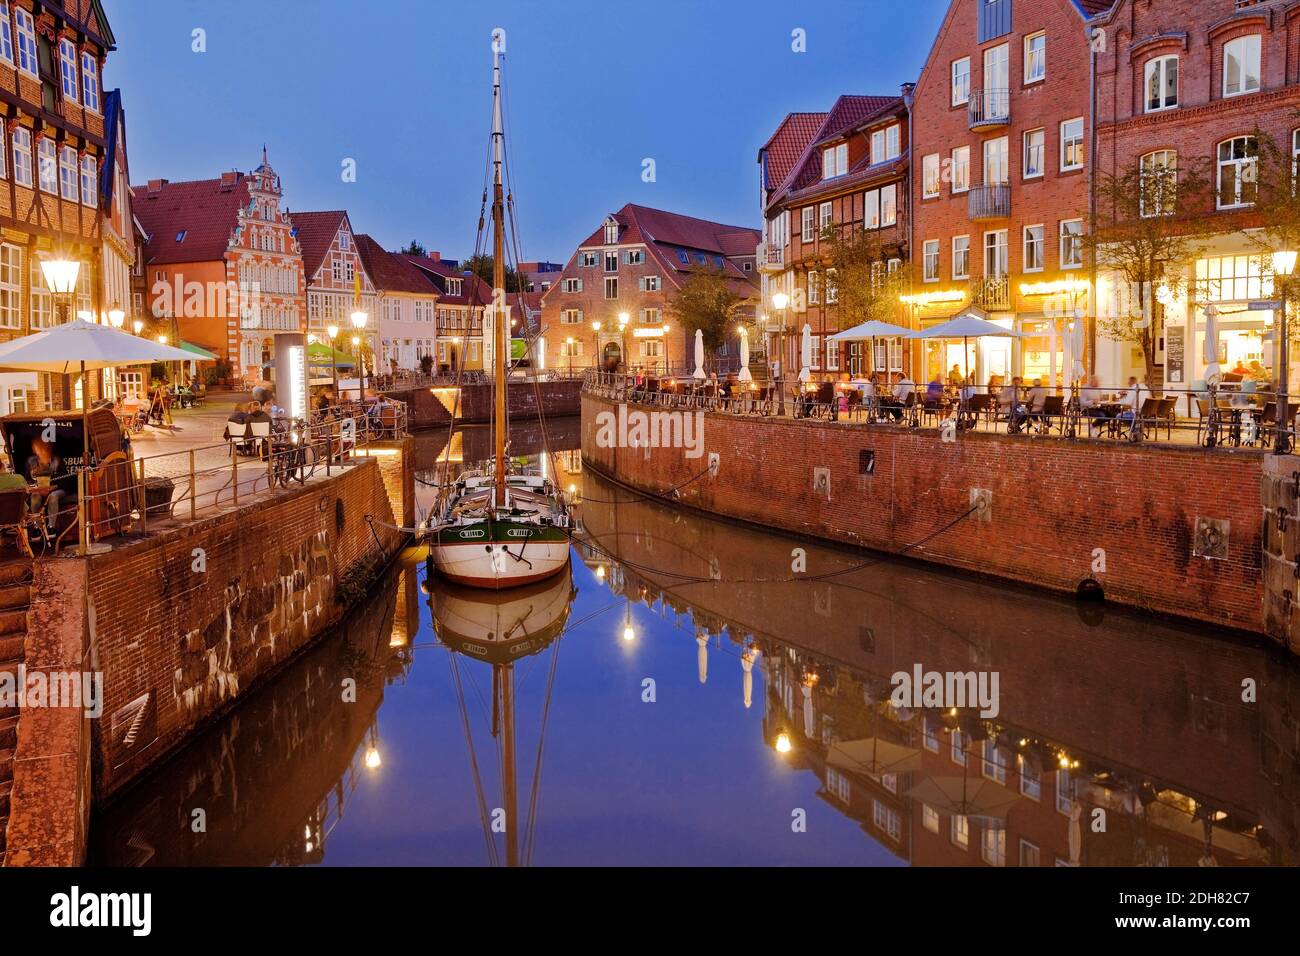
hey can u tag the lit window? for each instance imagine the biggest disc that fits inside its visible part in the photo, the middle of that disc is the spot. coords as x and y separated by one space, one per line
1035 140
824 216
960 831
1158 182
1071 243
835 161
961 257
930 818
888 205
993 847
1241 65
930 175
1035 57
1072 144
961 169
961 81
871 209
931 259
1237 163
1033 249
997 169
1161 83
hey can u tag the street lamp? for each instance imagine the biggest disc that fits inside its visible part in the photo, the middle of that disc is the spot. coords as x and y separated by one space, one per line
569 343
116 317
333 333
138 326
359 319
623 319
1283 266
779 301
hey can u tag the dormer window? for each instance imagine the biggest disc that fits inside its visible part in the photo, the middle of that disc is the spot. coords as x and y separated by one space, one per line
343 241
835 161
611 231
454 286
180 236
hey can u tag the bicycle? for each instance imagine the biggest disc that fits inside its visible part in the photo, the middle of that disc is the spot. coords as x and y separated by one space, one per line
294 455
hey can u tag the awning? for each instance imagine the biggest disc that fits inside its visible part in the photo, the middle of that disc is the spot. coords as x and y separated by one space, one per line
198 350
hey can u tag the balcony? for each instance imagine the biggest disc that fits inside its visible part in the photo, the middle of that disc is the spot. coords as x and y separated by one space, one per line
989 202
992 293
989 109
771 259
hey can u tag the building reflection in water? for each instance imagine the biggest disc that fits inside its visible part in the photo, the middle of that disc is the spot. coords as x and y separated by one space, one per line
1120 740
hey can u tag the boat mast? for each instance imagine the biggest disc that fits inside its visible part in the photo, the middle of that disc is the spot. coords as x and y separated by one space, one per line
509 785
498 281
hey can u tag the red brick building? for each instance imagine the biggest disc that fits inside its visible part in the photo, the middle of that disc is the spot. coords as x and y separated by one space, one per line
631 266
1195 82
1000 186
464 342
844 170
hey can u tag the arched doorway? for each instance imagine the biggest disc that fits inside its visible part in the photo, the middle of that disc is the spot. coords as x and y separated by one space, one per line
611 356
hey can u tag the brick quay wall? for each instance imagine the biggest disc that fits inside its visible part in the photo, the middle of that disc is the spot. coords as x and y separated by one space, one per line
432 406
1059 509
178 645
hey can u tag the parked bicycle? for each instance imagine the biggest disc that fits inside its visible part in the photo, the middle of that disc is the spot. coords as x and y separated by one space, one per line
295 455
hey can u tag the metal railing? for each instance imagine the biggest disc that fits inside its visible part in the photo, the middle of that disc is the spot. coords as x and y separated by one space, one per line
991 201
988 108
771 257
991 293
1220 416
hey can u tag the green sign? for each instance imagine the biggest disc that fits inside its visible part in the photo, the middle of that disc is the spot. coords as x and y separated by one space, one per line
518 348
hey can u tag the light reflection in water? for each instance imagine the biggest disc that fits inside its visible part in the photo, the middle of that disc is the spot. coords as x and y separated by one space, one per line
742 701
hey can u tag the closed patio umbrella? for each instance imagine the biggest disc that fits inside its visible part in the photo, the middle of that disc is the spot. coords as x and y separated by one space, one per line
805 354
699 355
1212 370
702 656
744 375
75 347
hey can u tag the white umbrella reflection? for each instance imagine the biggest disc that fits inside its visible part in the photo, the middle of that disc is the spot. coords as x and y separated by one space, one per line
699 355
805 354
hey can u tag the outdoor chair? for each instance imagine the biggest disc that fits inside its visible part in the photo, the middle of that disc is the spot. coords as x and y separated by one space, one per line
1052 413
16 520
237 436
260 433
1167 415
1148 414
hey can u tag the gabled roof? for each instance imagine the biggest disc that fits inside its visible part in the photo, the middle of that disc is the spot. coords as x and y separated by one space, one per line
644 224
849 112
1090 8
316 232
474 291
787 144
203 210
389 272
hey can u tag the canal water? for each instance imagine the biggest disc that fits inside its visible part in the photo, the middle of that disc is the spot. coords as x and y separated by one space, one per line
695 692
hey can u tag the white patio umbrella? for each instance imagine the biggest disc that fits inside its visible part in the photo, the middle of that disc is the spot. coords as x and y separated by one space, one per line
964 327
699 355
809 721
747 684
744 375
74 348
805 354
1212 370
871 331
1075 338
702 655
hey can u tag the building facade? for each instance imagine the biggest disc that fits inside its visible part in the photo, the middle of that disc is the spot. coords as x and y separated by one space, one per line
54 142
850 179
1000 184
463 341
609 306
337 282
406 301
223 264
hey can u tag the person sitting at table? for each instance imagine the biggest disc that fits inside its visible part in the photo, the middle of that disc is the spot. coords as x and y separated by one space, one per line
968 390
1257 371
1091 398
1239 369
954 375
904 389
43 467
1034 401
995 385
868 389
1132 399
934 389
1009 402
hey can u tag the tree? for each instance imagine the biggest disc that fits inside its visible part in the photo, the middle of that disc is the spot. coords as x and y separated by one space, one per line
1148 219
1276 215
482 266
865 289
414 248
706 301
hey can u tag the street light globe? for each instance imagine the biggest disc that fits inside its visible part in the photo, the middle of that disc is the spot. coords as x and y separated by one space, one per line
373 760
332 331
628 633
783 743
162 340
116 317
624 318
359 319
667 328
356 341
780 300
138 326
596 326
61 275
1283 263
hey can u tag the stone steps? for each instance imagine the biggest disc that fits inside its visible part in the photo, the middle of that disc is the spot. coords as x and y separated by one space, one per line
15 596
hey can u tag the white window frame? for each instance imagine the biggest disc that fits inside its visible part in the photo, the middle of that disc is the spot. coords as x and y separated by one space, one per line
571 285
930 175
1243 49
961 254
6 33
997 154
22 153
1076 142
90 82
930 260
1240 164
888 205
998 248
960 169
814 285
871 209
1035 61
1165 175
28 55
825 212
959 82
807 223
588 260
611 233
1033 847
11 286
68 174
611 288
1030 784
1028 148
1158 67
47 166
835 161
993 846
959 831
1076 239
1029 241
67 54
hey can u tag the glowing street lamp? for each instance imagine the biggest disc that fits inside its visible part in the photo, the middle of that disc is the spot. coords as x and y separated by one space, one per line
779 301
359 318
569 343
138 326
116 317
333 332
783 743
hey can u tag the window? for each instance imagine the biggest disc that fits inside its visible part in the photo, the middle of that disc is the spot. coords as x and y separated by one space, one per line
1071 243
3 163
996 167
650 316
1161 83
960 831
1238 158
23 156
808 223
958 751
1158 182
586 258
336 268
1035 145
1072 144
835 161
1029 855
832 290
833 360
68 69
456 286
1033 248
349 270
6 37
90 81
814 288
1035 57
11 286
68 173
1064 792
885 144
961 169
48 165
1030 785
995 253
611 232
569 285
961 81
931 258
961 257
871 209
649 283
634 257
1241 65
611 287
611 261
823 216
993 847
887 819
27 59
41 300
995 764
930 818
1228 278
930 175
888 205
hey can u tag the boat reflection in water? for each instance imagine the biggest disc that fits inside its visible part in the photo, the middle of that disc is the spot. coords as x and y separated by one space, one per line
1120 740
500 629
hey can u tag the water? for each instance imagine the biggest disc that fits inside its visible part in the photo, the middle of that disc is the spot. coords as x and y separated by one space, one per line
1119 739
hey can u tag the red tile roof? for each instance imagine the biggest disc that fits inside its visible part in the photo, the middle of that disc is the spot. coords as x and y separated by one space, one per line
787 145
203 210
389 272
316 231
850 110
474 291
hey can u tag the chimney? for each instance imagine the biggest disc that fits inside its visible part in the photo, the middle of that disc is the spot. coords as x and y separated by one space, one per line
155 186
229 179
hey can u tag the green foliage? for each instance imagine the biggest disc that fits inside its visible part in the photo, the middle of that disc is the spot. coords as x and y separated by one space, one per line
413 248
482 266
707 302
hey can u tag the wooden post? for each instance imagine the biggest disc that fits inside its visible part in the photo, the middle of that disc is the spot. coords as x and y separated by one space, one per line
234 478
194 488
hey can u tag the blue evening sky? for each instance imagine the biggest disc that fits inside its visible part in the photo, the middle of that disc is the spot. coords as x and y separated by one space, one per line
403 88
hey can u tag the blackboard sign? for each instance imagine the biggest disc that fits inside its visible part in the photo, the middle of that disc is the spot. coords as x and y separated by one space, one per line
1174 353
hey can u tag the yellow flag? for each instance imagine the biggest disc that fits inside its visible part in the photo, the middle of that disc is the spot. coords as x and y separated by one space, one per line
356 284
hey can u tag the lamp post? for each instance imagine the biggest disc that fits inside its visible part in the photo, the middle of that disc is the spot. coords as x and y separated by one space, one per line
359 319
137 326
667 329
1283 266
779 301
595 345
61 278
569 343
623 319
333 333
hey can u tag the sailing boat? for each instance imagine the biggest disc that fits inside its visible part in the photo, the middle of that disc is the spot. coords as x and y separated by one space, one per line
497 528
500 630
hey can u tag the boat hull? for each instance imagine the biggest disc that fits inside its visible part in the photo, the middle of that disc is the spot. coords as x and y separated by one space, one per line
498 553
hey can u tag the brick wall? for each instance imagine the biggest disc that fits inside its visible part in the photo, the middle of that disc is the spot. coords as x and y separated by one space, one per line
1053 503
177 646
558 399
